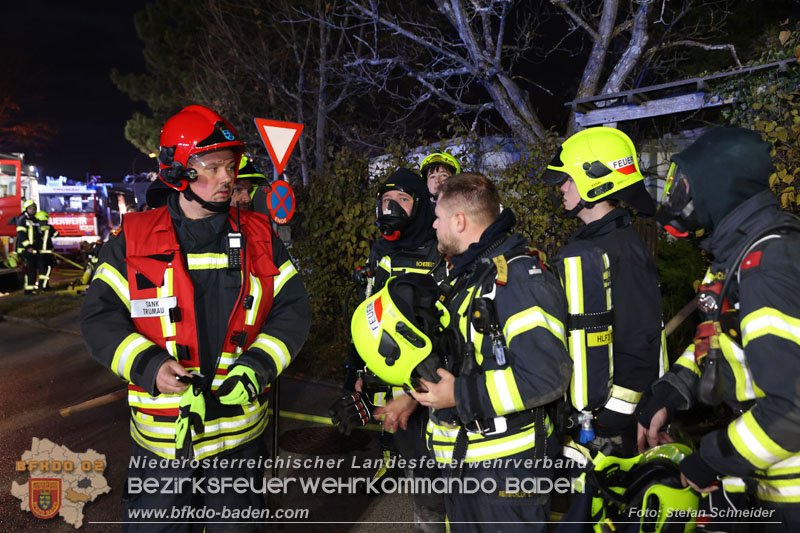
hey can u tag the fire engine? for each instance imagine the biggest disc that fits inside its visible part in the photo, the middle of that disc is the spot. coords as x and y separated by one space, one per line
73 211
18 183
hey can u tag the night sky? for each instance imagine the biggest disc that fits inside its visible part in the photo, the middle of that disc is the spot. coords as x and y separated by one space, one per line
69 49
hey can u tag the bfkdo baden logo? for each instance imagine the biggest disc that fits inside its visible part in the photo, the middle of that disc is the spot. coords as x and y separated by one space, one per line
44 495
59 482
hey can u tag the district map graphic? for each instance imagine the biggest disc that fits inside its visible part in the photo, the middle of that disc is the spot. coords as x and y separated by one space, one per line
60 481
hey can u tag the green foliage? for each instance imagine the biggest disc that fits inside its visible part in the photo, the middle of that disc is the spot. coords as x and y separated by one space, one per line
769 103
537 206
334 231
681 265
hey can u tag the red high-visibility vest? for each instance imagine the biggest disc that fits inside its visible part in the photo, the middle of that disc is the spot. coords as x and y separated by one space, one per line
158 274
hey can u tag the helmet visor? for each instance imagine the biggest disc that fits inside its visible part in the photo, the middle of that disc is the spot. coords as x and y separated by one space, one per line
553 175
676 190
676 214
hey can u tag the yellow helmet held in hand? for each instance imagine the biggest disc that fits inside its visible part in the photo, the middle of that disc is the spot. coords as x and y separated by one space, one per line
392 329
603 165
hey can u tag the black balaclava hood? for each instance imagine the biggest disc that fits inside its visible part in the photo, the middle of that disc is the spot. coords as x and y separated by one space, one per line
725 167
420 230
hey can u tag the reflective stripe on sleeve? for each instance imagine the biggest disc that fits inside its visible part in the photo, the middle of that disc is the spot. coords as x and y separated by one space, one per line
288 271
770 321
686 360
623 400
126 353
116 281
532 318
753 444
503 391
274 348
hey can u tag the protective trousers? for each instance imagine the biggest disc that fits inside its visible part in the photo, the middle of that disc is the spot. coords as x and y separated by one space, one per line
45 267
510 496
29 270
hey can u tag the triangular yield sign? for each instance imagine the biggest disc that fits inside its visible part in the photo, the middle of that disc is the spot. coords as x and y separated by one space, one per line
279 138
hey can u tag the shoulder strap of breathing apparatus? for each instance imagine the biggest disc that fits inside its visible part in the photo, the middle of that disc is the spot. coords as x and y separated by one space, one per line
710 387
482 316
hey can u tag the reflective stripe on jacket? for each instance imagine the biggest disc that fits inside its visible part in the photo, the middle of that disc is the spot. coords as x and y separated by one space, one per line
161 286
531 312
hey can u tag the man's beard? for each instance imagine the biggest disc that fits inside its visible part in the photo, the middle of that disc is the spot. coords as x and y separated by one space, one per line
448 247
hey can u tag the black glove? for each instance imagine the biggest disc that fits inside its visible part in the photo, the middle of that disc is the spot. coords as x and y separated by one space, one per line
351 411
698 471
655 397
613 421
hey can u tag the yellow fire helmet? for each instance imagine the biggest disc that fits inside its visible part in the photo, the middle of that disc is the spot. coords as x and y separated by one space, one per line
602 163
649 482
248 169
439 158
392 329
42 215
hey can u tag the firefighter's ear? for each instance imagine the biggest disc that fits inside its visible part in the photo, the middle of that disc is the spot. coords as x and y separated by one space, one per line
459 221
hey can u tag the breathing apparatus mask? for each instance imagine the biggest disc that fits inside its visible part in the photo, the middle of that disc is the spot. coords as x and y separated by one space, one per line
676 214
390 216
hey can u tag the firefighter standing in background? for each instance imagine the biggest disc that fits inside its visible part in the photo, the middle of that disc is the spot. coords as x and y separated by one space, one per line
199 310
27 235
436 168
617 343
407 244
748 353
92 257
45 259
517 361
248 179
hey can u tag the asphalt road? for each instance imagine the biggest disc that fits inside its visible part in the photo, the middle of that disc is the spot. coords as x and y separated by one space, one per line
45 367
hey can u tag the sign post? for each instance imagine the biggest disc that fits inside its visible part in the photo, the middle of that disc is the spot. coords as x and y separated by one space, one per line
279 139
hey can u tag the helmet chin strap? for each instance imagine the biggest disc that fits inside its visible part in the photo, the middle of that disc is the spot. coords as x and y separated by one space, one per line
582 204
216 207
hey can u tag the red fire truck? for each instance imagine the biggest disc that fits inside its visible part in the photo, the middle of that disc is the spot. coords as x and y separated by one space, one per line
17 184
73 211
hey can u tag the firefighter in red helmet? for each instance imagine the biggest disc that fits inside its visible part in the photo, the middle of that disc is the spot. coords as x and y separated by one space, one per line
199 311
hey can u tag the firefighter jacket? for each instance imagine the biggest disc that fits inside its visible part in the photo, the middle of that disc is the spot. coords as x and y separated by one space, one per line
761 362
385 263
27 232
495 402
47 233
165 288
638 345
